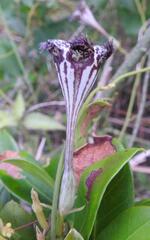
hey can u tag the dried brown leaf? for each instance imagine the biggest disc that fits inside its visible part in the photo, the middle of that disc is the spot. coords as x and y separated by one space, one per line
90 153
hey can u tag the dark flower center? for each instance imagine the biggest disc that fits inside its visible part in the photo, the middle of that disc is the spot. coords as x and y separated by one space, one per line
81 49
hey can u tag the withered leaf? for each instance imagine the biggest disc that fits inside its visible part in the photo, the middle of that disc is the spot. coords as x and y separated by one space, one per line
92 152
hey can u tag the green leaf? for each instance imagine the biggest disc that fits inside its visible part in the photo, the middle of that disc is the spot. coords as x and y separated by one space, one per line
7 142
73 235
84 220
40 121
134 223
20 188
7 119
36 176
144 202
19 106
51 168
118 196
28 157
4 196
16 215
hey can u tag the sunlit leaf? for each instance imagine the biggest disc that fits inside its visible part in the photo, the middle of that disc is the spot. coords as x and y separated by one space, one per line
40 121
19 106
73 235
7 119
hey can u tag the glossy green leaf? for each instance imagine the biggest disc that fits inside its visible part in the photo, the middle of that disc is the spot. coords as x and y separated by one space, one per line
134 223
7 142
16 215
18 106
73 235
40 121
20 188
28 157
84 220
7 119
36 176
118 196
124 198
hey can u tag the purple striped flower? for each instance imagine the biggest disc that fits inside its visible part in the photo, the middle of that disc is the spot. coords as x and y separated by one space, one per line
77 63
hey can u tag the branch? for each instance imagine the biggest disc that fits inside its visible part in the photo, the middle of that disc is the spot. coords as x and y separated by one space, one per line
141 108
135 55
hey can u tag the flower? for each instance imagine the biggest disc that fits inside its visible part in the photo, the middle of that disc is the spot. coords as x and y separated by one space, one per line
85 16
77 63
7 230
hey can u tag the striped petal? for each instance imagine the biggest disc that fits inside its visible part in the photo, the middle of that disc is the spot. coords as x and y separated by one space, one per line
77 63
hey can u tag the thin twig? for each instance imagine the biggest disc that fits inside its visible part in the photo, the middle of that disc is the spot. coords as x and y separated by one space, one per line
140 158
46 104
25 225
7 99
140 10
134 56
40 149
105 77
141 108
77 32
141 169
132 100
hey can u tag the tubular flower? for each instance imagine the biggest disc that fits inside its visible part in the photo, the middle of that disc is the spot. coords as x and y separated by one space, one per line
77 63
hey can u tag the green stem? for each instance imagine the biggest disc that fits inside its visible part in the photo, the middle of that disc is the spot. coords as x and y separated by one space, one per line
7 99
57 185
140 10
131 102
114 83
129 74
130 107
14 48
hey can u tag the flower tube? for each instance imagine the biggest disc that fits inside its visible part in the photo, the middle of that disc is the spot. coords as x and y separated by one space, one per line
77 63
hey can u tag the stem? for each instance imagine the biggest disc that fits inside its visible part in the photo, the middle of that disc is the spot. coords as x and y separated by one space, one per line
129 74
130 107
7 99
56 196
134 56
140 10
141 108
14 48
115 82
131 102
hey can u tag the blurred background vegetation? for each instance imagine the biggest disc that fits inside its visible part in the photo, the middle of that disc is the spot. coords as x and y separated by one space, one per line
32 109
